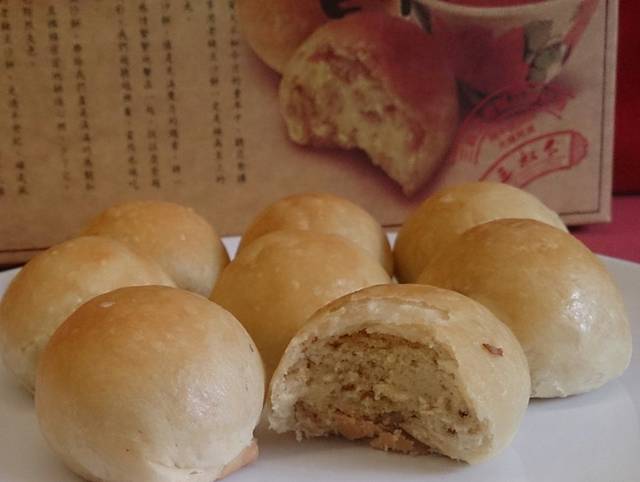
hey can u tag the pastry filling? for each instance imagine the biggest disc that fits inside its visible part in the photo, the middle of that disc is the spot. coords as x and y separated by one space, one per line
398 395
340 103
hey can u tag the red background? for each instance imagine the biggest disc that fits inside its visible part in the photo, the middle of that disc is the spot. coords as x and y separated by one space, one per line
626 177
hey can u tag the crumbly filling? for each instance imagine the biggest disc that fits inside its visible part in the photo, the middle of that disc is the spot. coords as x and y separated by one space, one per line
339 102
397 394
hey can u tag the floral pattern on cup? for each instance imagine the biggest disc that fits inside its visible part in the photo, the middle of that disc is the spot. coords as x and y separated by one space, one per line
475 52
525 50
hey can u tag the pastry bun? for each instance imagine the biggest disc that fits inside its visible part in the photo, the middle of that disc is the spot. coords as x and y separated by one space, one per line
348 86
276 28
410 368
182 242
150 384
554 294
53 284
276 282
323 213
453 210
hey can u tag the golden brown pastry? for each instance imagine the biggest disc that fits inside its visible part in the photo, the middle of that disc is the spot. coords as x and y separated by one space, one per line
276 28
554 294
182 242
453 210
410 368
377 83
279 280
323 213
150 384
53 284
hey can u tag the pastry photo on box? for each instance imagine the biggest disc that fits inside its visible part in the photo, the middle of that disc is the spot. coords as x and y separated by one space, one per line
229 106
462 88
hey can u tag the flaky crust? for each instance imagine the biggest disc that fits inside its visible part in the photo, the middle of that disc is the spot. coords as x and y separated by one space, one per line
53 284
182 242
398 53
410 68
280 279
150 384
323 213
496 386
453 210
554 294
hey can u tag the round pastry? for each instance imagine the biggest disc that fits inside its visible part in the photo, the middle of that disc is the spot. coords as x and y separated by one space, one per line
53 284
275 29
453 210
410 368
554 294
324 213
183 243
150 384
275 283
348 85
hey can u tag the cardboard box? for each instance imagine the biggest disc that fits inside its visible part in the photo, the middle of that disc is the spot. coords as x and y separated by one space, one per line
106 101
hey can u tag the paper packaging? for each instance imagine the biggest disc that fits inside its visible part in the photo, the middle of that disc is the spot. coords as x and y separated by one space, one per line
113 100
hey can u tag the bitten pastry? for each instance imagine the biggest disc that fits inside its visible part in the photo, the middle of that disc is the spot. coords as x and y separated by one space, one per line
53 284
378 83
276 28
182 242
150 384
279 280
410 368
453 210
324 213
554 294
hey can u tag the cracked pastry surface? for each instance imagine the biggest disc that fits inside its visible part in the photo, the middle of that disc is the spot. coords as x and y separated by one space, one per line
406 368
377 83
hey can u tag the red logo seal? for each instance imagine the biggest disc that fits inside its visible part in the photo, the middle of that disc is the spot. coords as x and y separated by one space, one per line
517 136
538 157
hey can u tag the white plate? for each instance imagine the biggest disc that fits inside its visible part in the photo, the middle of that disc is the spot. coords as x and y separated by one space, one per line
588 438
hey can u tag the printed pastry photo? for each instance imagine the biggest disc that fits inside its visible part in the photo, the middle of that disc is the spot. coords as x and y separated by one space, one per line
377 83
403 82
275 29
